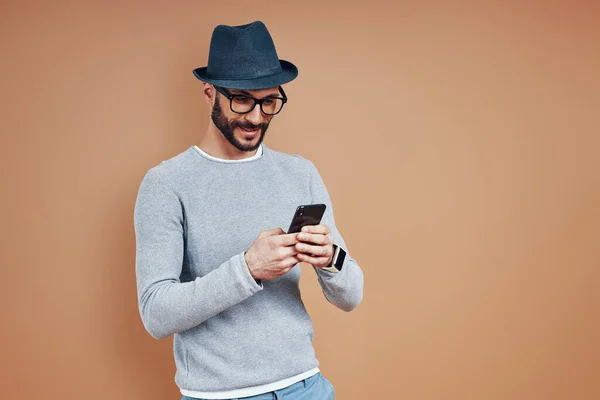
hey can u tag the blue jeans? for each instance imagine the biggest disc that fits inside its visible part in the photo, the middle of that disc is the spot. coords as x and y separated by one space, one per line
317 387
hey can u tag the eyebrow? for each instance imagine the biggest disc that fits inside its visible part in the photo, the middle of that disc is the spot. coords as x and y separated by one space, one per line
246 93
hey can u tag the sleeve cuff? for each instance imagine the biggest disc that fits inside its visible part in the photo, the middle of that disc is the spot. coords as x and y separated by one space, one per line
255 284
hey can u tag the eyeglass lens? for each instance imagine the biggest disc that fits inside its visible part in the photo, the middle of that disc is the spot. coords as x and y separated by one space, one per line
243 104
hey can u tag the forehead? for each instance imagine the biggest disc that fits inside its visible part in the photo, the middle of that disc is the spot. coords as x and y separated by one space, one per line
256 92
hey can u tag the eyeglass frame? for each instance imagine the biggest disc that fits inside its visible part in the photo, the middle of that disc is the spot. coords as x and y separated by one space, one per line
256 101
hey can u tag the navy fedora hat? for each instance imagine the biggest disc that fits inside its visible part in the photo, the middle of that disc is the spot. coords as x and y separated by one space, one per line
244 57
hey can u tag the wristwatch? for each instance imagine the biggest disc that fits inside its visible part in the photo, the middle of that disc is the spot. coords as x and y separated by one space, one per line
337 261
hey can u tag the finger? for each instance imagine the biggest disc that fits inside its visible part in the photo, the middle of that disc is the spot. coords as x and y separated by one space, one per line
318 251
290 262
312 260
317 238
287 239
288 251
321 228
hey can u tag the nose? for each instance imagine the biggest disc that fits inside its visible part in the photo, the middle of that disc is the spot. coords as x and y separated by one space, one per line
255 116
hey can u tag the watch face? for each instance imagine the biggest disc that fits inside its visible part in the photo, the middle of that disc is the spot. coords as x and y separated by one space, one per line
339 262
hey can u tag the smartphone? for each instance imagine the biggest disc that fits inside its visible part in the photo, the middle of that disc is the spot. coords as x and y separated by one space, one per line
308 214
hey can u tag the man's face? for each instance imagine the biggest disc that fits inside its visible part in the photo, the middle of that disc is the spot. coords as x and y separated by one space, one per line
244 131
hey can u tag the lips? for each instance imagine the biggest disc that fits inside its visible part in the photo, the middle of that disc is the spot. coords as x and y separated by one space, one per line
251 132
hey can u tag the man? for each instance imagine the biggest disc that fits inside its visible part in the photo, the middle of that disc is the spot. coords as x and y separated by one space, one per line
214 267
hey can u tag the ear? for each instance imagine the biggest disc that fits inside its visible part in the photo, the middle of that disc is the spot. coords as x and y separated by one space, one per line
209 93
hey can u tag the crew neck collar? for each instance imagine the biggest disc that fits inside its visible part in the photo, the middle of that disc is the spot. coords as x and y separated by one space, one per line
258 155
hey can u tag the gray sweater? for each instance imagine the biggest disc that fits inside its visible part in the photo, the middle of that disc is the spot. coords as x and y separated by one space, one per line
194 218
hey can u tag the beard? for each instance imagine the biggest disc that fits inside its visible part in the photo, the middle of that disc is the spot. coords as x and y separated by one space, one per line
227 128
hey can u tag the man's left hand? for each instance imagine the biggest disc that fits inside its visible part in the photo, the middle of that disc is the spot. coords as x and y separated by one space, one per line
316 245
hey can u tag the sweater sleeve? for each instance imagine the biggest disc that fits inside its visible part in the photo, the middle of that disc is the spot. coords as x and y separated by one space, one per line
343 289
166 304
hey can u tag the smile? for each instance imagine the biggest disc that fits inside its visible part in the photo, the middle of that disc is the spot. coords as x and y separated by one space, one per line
252 132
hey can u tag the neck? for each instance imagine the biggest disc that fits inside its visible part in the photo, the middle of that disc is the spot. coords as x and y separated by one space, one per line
215 144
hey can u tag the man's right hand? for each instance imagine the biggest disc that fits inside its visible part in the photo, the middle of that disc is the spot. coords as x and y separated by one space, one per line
272 254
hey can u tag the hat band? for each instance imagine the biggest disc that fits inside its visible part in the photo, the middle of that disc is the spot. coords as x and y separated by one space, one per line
245 78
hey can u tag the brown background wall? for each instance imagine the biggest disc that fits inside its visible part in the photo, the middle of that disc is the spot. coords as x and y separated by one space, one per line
466 182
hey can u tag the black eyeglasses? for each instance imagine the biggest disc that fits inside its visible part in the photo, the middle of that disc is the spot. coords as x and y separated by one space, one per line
243 103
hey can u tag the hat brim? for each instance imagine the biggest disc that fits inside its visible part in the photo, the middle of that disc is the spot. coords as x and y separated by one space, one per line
289 73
